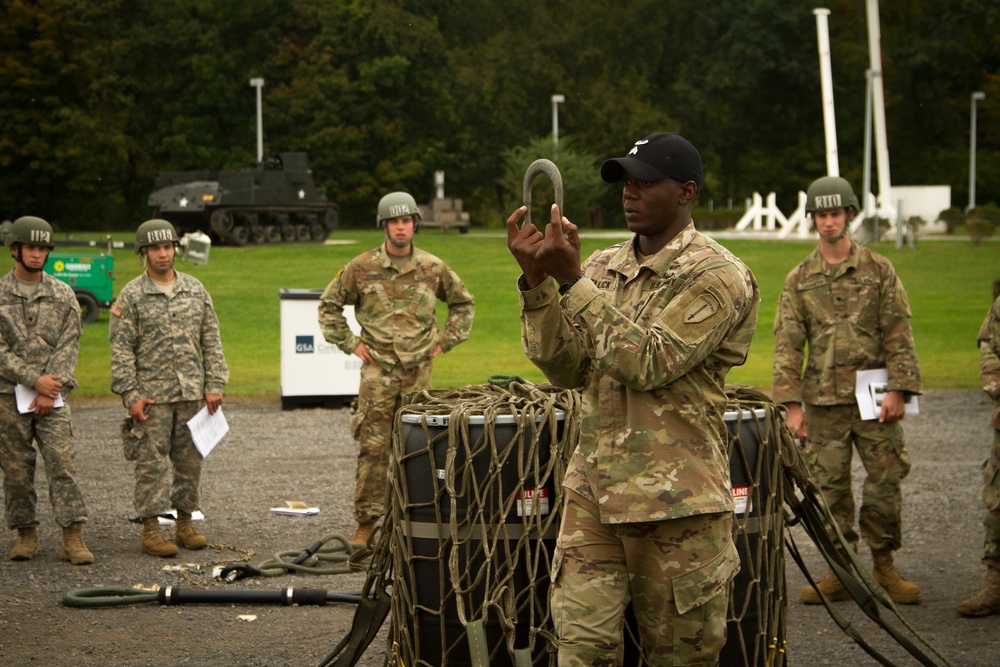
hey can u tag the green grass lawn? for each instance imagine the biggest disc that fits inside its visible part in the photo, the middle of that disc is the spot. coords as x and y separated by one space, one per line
949 283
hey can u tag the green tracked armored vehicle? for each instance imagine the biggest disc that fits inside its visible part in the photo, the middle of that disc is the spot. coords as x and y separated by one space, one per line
275 201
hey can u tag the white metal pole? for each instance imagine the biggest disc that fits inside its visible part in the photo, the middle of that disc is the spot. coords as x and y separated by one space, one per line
556 99
826 84
439 184
866 186
878 109
976 96
258 83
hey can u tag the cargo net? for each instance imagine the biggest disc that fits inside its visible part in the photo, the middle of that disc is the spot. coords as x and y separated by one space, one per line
759 457
473 508
472 516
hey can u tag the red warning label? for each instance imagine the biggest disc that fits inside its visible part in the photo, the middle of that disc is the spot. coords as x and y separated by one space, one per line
527 497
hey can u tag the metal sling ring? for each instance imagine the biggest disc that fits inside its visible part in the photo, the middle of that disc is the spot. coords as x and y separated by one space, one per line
547 167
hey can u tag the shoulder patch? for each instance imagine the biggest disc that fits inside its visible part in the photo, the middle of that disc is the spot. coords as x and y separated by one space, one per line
701 309
116 310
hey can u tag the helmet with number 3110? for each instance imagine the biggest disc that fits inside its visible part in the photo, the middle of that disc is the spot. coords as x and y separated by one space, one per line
830 192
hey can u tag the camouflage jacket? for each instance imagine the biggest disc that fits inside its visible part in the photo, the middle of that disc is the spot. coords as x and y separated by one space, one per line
164 348
849 317
649 346
395 308
38 336
989 358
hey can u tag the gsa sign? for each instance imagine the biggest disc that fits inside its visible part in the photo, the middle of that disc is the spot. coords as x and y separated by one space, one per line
304 345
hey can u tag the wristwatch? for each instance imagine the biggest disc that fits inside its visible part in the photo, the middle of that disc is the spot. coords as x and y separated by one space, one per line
566 284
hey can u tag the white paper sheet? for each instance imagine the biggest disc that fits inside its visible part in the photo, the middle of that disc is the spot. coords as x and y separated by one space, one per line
25 395
296 508
207 430
869 390
165 521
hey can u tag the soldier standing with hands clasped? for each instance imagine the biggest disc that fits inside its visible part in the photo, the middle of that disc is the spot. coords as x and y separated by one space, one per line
847 307
647 330
394 289
166 364
39 345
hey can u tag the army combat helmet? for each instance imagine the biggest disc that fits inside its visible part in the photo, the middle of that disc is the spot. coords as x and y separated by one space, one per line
30 230
395 205
155 232
830 192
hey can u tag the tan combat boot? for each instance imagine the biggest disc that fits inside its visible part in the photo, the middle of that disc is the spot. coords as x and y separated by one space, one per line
831 588
986 601
153 542
73 548
362 534
185 533
899 588
27 544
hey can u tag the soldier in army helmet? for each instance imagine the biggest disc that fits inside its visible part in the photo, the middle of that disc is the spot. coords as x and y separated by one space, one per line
32 232
393 289
647 330
166 371
847 309
826 197
40 339
401 211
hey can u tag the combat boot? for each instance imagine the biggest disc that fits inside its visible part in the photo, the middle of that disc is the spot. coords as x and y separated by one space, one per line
153 542
899 588
829 586
986 601
362 534
73 548
27 544
186 534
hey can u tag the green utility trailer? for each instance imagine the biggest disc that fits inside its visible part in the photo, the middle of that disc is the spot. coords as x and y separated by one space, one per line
90 276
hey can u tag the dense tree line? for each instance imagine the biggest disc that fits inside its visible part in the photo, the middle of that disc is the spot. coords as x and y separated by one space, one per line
98 96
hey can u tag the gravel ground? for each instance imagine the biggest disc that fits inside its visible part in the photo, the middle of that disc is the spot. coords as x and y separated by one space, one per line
271 456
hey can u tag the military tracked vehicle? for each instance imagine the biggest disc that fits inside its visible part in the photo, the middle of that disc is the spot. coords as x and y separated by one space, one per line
275 201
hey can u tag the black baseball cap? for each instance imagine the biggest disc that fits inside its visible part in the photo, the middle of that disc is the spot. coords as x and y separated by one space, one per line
656 157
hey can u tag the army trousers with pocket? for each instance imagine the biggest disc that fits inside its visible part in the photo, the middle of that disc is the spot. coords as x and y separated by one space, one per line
677 574
53 435
155 445
991 498
835 431
380 395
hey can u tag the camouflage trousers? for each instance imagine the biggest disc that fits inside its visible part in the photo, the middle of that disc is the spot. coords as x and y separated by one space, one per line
991 498
834 432
677 574
379 397
164 439
53 435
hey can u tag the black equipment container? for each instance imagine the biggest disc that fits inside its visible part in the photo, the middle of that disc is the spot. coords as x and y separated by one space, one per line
483 487
751 482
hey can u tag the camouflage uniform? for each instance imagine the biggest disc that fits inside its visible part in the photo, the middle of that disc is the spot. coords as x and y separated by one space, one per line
851 316
649 345
167 349
39 335
395 308
989 356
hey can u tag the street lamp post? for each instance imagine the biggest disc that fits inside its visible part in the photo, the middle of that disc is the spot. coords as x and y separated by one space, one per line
556 99
258 83
976 97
